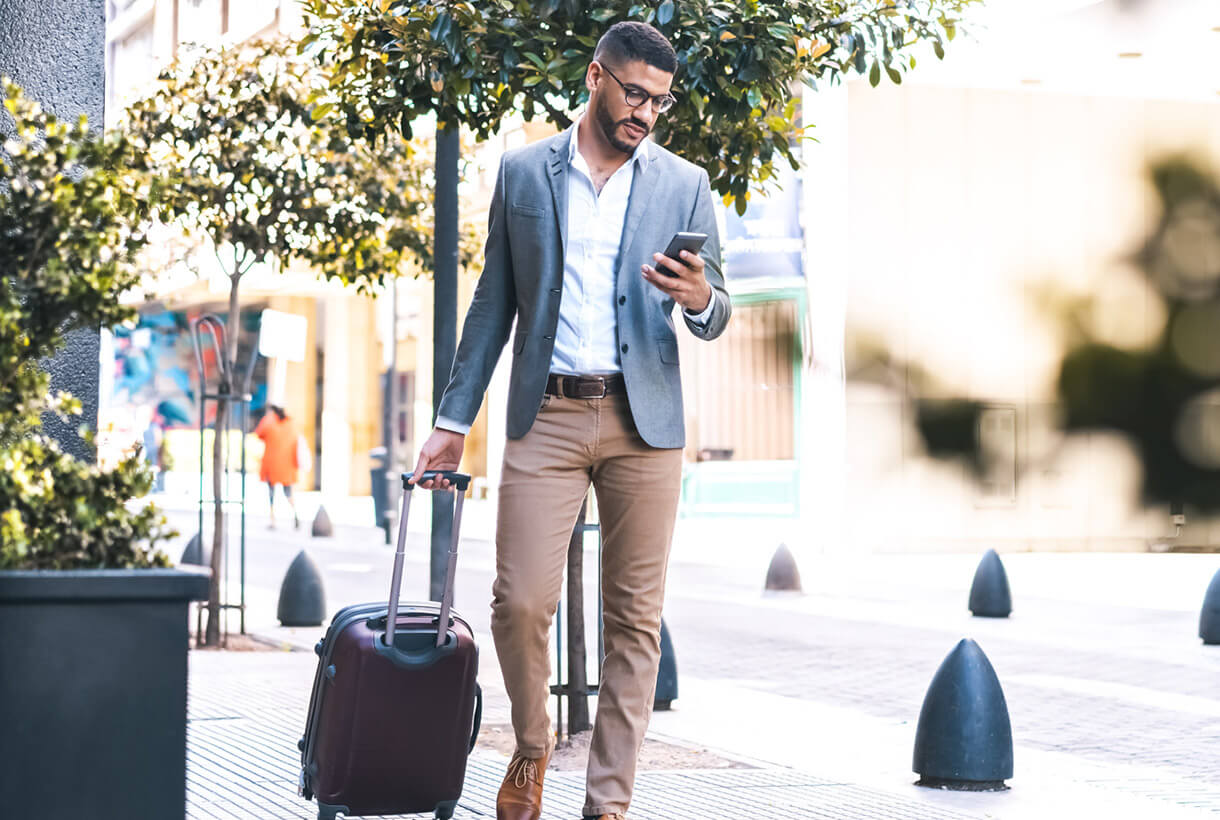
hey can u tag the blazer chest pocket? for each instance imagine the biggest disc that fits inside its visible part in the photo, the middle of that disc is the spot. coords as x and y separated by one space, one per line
528 211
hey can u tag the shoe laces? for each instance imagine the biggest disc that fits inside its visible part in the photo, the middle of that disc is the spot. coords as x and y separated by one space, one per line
523 770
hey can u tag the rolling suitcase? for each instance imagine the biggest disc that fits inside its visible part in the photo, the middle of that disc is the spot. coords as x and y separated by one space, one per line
395 709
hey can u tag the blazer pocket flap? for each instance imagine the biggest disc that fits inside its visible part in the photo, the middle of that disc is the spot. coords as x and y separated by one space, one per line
528 210
519 342
669 351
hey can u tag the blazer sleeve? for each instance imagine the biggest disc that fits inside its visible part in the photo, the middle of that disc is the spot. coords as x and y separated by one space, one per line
703 220
488 321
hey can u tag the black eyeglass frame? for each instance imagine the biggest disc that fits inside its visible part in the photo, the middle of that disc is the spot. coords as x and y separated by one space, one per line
660 102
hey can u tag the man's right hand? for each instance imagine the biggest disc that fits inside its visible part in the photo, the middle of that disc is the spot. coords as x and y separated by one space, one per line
442 451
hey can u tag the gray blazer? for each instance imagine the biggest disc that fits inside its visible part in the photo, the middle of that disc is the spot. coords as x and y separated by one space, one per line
523 276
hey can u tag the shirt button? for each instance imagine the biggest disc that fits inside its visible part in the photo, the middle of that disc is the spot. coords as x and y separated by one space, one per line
623 348
622 300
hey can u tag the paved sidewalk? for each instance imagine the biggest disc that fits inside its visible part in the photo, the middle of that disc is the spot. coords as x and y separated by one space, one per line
1114 701
246 715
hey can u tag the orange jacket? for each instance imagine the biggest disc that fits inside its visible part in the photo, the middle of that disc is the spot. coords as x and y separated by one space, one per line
280 449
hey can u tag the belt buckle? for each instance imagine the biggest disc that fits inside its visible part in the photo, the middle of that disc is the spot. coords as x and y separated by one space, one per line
580 385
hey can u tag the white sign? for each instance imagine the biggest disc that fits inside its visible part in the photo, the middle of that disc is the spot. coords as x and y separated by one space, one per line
282 336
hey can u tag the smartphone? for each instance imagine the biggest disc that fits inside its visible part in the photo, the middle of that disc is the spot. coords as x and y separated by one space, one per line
682 241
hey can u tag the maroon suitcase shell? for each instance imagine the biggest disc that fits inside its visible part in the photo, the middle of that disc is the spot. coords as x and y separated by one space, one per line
391 725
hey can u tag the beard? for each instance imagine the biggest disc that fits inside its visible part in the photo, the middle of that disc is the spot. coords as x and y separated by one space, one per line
609 128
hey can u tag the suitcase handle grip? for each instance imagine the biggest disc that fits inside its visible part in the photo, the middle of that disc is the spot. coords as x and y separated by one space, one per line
415 657
478 716
459 480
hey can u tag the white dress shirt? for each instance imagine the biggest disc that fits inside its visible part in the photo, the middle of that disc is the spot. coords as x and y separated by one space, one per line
586 338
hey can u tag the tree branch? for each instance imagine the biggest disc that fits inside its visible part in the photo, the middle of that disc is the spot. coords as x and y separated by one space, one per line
555 113
220 261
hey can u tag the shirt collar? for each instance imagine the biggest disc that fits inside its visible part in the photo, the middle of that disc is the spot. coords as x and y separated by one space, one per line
641 155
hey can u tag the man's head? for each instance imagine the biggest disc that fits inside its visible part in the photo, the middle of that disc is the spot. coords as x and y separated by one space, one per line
631 60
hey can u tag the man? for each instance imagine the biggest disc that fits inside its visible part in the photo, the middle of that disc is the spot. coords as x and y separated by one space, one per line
575 232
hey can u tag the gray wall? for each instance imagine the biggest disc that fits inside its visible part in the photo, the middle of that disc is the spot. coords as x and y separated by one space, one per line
56 50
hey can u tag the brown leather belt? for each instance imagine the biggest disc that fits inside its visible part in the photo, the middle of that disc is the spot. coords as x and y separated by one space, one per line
585 387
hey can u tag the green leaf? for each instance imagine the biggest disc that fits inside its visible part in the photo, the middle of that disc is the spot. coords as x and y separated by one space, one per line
665 12
895 75
874 74
602 15
939 49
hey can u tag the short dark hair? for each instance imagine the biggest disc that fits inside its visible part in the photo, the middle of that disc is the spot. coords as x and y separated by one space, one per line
630 40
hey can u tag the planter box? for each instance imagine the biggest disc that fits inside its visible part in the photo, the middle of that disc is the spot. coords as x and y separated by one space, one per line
93 667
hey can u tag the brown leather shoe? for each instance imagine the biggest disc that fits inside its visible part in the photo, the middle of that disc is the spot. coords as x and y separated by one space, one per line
520 796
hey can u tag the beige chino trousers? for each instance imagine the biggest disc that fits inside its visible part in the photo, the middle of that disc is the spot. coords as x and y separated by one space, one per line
546 475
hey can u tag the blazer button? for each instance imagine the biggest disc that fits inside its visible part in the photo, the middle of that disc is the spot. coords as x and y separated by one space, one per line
622 300
624 348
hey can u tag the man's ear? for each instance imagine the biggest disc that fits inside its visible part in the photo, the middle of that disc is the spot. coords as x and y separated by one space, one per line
593 76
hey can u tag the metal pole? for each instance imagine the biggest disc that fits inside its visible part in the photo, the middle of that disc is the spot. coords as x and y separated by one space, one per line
203 408
245 408
391 415
444 323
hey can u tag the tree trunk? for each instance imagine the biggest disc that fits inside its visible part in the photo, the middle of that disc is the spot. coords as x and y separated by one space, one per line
578 681
220 460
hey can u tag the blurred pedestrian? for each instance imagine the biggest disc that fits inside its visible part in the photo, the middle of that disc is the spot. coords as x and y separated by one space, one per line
279 435
577 225
152 435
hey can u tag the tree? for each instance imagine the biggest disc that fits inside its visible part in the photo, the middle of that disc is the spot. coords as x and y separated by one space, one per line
739 65
1163 395
72 208
254 174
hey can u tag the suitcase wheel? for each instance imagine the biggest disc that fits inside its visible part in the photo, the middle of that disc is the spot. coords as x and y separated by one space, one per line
328 812
444 811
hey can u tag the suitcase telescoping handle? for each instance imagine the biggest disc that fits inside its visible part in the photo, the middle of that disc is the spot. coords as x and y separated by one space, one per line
460 481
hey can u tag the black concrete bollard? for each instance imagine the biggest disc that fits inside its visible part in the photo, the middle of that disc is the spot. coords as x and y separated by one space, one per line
667 673
321 524
989 594
964 738
195 553
782 574
1209 618
302 596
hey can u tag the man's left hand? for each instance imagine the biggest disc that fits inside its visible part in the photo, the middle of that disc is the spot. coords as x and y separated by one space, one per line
688 287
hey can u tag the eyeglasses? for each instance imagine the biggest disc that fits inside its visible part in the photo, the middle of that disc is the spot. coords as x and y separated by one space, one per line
636 96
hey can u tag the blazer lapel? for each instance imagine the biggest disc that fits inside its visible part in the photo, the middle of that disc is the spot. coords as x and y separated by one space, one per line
642 187
557 175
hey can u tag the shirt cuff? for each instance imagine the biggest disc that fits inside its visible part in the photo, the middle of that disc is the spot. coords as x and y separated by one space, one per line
702 318
452 426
